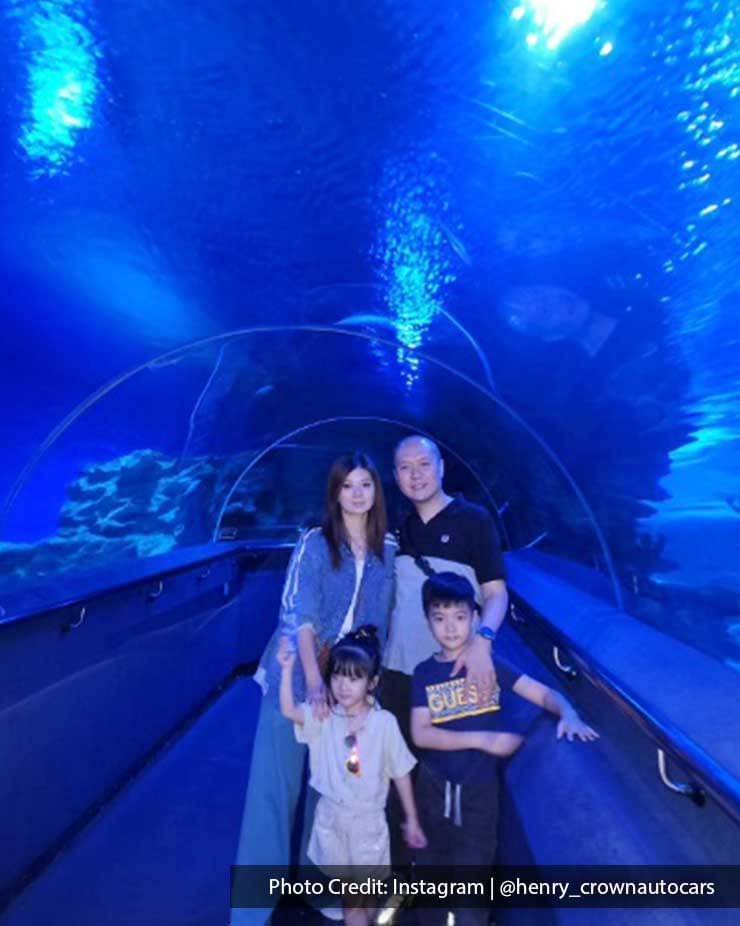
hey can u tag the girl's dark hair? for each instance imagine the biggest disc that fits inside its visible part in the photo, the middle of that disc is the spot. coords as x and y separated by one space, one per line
333 526
357 654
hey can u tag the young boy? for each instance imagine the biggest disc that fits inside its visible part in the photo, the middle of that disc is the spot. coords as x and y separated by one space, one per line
460 740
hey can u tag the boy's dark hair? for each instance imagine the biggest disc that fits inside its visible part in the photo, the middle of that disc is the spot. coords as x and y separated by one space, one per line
447 588
357 654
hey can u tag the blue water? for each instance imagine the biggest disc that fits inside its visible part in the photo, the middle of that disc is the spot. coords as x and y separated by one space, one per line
546 204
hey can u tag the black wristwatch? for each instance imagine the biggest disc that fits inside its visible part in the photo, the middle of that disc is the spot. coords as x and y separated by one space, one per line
487 634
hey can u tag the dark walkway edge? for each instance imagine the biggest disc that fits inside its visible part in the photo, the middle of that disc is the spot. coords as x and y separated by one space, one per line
219 731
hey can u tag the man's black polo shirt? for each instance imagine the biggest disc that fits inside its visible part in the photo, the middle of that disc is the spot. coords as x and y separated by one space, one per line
461 538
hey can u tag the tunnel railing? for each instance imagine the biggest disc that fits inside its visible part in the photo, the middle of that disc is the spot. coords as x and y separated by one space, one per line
711 778
152 572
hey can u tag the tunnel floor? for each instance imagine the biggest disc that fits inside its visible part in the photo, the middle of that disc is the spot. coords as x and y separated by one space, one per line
160 852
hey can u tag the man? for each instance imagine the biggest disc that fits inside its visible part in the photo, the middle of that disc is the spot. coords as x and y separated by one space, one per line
442 534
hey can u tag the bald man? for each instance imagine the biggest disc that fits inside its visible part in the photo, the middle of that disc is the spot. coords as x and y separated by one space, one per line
441 534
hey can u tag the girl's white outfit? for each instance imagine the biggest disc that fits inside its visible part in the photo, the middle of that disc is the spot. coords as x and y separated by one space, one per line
350 826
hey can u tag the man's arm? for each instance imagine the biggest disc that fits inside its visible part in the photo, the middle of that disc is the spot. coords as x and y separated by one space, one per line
427 736
570 723
495 603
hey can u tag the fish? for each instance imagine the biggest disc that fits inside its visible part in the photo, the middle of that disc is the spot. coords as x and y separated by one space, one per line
361 319
544 236
548 312
456 244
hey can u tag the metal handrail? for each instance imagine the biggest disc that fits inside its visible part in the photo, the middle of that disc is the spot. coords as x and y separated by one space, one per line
713 779
152 576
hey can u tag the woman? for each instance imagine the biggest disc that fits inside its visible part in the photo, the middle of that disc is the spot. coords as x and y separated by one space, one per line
340 577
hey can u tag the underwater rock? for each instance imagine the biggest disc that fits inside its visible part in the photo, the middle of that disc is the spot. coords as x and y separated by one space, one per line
142 504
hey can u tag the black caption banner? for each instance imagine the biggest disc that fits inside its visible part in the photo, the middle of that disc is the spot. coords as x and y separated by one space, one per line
501 887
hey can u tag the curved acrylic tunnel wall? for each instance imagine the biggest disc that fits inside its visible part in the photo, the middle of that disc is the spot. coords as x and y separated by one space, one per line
547 208
234 436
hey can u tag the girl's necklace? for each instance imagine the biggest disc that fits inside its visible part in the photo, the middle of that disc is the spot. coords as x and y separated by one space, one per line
352 763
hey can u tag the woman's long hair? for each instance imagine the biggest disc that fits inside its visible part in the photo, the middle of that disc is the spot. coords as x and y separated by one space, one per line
333 526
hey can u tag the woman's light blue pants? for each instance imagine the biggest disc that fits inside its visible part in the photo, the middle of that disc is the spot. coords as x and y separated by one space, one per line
275 780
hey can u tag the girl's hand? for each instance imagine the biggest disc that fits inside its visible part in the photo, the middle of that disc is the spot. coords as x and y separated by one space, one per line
571 725
413 834
286 653
318 699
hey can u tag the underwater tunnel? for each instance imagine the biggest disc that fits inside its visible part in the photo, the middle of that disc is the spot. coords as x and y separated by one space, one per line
239 240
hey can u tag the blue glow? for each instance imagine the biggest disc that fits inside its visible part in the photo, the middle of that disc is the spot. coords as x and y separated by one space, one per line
556 19
414 263
62 81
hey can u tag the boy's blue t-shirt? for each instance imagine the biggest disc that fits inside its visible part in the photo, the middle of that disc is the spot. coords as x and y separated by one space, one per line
432 687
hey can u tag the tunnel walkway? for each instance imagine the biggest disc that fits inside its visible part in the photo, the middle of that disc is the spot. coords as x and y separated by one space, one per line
145 860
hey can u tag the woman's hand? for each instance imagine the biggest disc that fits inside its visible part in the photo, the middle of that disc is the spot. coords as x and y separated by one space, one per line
413 834
318 698
286 653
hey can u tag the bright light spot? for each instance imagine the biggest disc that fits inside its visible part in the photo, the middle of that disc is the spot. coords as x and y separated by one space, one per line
385 917
687 165
532 40
62 81
606 49
708 210
556 19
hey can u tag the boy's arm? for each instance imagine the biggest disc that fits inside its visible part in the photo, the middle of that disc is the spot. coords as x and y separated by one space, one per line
288 707
570 724
427 736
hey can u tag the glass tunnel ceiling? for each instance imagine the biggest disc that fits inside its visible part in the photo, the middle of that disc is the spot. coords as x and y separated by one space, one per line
535 201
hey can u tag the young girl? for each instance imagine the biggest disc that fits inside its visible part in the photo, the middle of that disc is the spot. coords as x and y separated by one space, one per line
353 755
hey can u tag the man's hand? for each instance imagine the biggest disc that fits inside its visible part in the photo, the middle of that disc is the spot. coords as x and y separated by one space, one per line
476 658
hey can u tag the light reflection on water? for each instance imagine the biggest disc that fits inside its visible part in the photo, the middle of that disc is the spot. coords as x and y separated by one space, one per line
58 47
